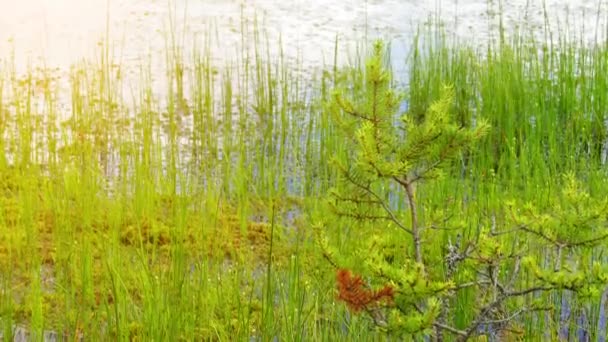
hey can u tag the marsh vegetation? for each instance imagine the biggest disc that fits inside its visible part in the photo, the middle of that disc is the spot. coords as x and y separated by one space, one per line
254 201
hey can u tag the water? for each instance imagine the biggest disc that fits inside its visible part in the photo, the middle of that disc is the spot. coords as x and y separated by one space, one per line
58 33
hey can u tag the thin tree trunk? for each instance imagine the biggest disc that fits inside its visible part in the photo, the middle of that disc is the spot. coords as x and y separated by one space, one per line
409 189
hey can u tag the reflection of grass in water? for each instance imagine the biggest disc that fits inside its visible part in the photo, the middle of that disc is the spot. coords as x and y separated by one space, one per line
129 220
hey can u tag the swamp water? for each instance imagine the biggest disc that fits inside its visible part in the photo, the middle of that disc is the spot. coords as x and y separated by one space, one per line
61 33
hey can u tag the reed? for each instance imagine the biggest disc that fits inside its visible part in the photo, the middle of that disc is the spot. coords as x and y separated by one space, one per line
133 214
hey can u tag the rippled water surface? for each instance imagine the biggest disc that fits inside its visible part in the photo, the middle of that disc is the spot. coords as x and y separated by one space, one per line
60 32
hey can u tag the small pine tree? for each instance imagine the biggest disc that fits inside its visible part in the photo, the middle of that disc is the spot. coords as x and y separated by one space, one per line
392 153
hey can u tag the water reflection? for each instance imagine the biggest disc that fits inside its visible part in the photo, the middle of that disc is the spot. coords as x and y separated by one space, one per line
61 32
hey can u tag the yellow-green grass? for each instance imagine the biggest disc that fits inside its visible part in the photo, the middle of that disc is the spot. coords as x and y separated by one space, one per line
191 214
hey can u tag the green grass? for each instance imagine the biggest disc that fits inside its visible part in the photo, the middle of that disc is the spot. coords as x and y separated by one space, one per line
545 103
190 216
139 217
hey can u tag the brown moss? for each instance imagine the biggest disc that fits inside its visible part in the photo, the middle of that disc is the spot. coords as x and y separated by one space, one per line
230 238
135 331
11 211
148 233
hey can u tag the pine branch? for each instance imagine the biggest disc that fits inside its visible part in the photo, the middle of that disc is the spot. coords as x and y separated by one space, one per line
470 284
496 303
358 115
388 210
355 200
363 217
419 175
587 242
541 235
506 319
450 329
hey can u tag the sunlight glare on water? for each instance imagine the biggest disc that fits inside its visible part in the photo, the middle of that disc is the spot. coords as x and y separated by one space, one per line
61 32
55 30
